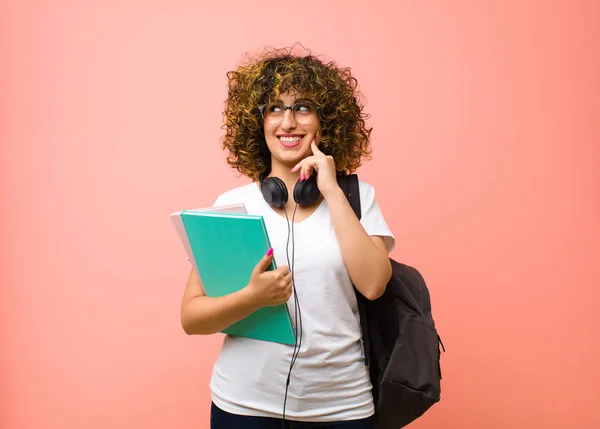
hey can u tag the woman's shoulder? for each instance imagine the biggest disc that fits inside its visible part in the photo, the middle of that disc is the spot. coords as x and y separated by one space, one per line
239 194
365 185
366 190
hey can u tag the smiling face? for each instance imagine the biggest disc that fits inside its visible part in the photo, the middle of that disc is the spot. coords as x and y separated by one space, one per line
289 140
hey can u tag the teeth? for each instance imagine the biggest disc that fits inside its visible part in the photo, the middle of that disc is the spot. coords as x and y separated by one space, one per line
289 139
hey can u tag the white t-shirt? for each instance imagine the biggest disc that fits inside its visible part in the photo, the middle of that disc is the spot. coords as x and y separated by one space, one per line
329 380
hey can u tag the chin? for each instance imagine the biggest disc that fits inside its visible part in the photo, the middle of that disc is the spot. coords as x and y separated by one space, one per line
289 157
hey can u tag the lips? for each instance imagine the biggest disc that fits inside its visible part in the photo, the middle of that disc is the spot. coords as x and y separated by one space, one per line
290 141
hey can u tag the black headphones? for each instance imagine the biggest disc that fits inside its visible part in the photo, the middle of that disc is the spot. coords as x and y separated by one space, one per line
275 192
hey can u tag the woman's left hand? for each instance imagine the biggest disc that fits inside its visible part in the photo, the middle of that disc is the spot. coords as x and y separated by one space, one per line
323 165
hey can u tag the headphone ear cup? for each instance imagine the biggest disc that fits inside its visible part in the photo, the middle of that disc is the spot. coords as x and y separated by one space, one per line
306 191
274 191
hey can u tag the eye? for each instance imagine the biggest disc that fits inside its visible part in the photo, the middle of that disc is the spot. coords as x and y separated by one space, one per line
304 108
274 108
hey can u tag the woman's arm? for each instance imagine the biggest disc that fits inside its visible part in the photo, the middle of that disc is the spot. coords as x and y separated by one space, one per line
203 315
365 257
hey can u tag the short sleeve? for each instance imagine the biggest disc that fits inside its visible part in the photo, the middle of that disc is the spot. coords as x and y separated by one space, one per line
220 201
241 195
372 218
226 198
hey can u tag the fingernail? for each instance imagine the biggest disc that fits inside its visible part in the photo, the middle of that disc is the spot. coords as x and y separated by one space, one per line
270 251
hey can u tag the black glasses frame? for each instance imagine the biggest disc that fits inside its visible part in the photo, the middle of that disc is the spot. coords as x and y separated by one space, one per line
262 108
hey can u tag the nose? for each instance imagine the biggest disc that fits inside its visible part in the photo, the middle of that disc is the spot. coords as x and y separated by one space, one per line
288 122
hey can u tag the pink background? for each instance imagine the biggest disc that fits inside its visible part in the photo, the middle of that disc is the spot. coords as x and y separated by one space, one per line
486 153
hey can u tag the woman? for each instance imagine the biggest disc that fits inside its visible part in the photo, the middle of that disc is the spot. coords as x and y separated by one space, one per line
294 118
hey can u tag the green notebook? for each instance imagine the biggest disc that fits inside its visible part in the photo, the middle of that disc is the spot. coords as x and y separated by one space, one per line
225 248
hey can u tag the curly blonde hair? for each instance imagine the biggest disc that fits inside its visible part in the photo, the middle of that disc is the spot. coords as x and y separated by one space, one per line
261 80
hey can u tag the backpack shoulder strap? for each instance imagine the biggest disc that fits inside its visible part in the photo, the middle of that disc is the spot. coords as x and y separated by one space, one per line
349 184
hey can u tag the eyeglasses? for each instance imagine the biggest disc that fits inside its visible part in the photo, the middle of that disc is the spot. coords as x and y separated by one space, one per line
303 112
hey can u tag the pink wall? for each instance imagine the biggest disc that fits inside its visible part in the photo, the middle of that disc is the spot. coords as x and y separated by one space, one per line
486 160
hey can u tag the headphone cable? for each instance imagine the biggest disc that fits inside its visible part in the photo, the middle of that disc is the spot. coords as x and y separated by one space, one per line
297 312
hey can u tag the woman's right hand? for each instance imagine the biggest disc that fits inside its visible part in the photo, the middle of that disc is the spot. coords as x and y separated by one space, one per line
269 288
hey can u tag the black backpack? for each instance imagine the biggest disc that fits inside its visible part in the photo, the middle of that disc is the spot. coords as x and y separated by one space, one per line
402 345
